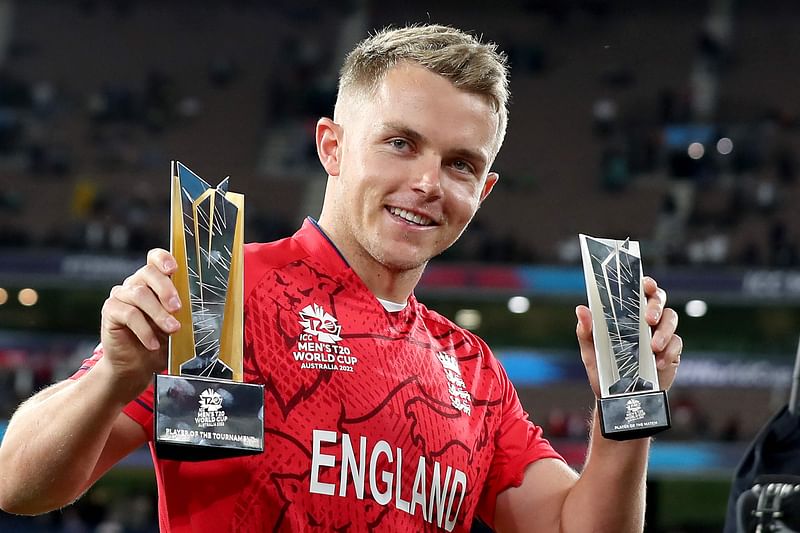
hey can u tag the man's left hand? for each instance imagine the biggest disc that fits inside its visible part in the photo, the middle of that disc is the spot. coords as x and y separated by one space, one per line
666 345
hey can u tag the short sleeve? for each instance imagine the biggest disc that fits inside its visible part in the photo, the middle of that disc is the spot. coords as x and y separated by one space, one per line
518 443
89 362
140 410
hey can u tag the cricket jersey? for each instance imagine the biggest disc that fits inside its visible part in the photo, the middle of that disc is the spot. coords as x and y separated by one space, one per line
373 420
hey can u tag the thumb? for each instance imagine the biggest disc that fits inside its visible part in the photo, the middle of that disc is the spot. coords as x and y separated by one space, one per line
583 331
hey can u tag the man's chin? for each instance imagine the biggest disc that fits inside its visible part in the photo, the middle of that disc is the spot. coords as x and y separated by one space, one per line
413 258
400 255
404 264
399 260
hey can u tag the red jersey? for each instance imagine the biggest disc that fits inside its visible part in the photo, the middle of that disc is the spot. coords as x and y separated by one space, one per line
374 420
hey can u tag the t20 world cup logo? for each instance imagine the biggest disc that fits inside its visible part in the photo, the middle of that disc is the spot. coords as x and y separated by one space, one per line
316 321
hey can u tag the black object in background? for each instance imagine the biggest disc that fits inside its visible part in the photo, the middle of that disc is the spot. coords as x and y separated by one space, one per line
774 452
771 505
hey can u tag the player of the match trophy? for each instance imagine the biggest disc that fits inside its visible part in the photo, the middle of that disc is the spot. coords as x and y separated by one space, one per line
630 404
203 410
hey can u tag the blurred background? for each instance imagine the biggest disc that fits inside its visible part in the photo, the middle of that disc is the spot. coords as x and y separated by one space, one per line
673 123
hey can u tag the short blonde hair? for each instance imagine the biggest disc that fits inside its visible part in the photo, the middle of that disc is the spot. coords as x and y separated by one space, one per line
469 64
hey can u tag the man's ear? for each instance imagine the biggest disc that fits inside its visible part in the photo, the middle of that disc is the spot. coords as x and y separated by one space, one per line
329 139
491 180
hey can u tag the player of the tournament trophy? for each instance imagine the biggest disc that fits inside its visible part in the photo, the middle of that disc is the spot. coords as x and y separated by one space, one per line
630 404
203 410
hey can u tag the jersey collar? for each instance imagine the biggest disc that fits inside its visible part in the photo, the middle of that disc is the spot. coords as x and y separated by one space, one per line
312 237
314 240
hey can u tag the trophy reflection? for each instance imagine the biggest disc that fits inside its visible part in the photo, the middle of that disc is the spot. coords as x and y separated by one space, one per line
202 408
631 405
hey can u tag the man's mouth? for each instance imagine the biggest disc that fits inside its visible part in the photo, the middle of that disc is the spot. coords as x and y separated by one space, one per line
408 216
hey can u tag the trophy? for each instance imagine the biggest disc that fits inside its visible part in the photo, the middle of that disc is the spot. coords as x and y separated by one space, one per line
203 410
630 404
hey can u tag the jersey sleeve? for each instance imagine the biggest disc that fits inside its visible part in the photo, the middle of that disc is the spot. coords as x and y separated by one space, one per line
518 443
89 362
140 410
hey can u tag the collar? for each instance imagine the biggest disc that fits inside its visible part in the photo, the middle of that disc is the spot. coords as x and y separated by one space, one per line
314 240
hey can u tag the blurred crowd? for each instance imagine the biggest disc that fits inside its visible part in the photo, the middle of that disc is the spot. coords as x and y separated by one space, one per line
725 176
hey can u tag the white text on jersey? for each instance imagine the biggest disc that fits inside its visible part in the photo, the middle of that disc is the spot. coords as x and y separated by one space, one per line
435 501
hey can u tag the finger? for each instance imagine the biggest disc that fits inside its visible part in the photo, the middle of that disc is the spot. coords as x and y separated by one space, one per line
671 356
583 330
656 300
650 285
668 363
665 330
118 315
144 299
159 283
162 260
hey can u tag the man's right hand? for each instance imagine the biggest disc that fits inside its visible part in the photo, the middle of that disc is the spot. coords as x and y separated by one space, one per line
136 320
86 432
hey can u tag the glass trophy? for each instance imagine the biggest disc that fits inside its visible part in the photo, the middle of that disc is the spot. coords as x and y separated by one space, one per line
203 410
630 404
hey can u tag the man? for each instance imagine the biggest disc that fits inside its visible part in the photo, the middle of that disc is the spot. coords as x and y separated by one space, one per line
422 429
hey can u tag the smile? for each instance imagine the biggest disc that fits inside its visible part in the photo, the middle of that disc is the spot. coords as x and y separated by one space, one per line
410 217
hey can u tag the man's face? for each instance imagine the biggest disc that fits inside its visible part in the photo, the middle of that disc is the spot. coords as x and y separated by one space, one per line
413 166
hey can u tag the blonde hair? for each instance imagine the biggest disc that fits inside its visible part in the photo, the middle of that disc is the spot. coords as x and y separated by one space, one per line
469 64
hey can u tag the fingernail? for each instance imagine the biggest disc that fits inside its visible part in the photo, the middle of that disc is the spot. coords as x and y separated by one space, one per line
174 303
172 324
169 264
653 315
153 344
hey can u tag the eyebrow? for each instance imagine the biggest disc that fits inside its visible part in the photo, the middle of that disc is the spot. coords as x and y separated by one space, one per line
403 130
416 136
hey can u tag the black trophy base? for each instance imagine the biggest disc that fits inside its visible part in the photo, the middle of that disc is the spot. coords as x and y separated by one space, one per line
200 419
634 415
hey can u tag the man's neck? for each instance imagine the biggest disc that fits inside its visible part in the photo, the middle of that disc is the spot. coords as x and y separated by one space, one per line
384 282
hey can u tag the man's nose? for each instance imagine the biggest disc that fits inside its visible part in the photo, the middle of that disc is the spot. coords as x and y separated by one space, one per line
428 181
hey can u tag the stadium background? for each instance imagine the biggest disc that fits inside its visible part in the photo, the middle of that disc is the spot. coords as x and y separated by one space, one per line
672 123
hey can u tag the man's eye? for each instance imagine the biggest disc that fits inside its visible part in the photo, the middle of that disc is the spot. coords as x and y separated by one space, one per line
399 143
462 166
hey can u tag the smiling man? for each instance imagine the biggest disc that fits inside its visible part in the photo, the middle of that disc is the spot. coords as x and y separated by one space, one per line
380 414
407 163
